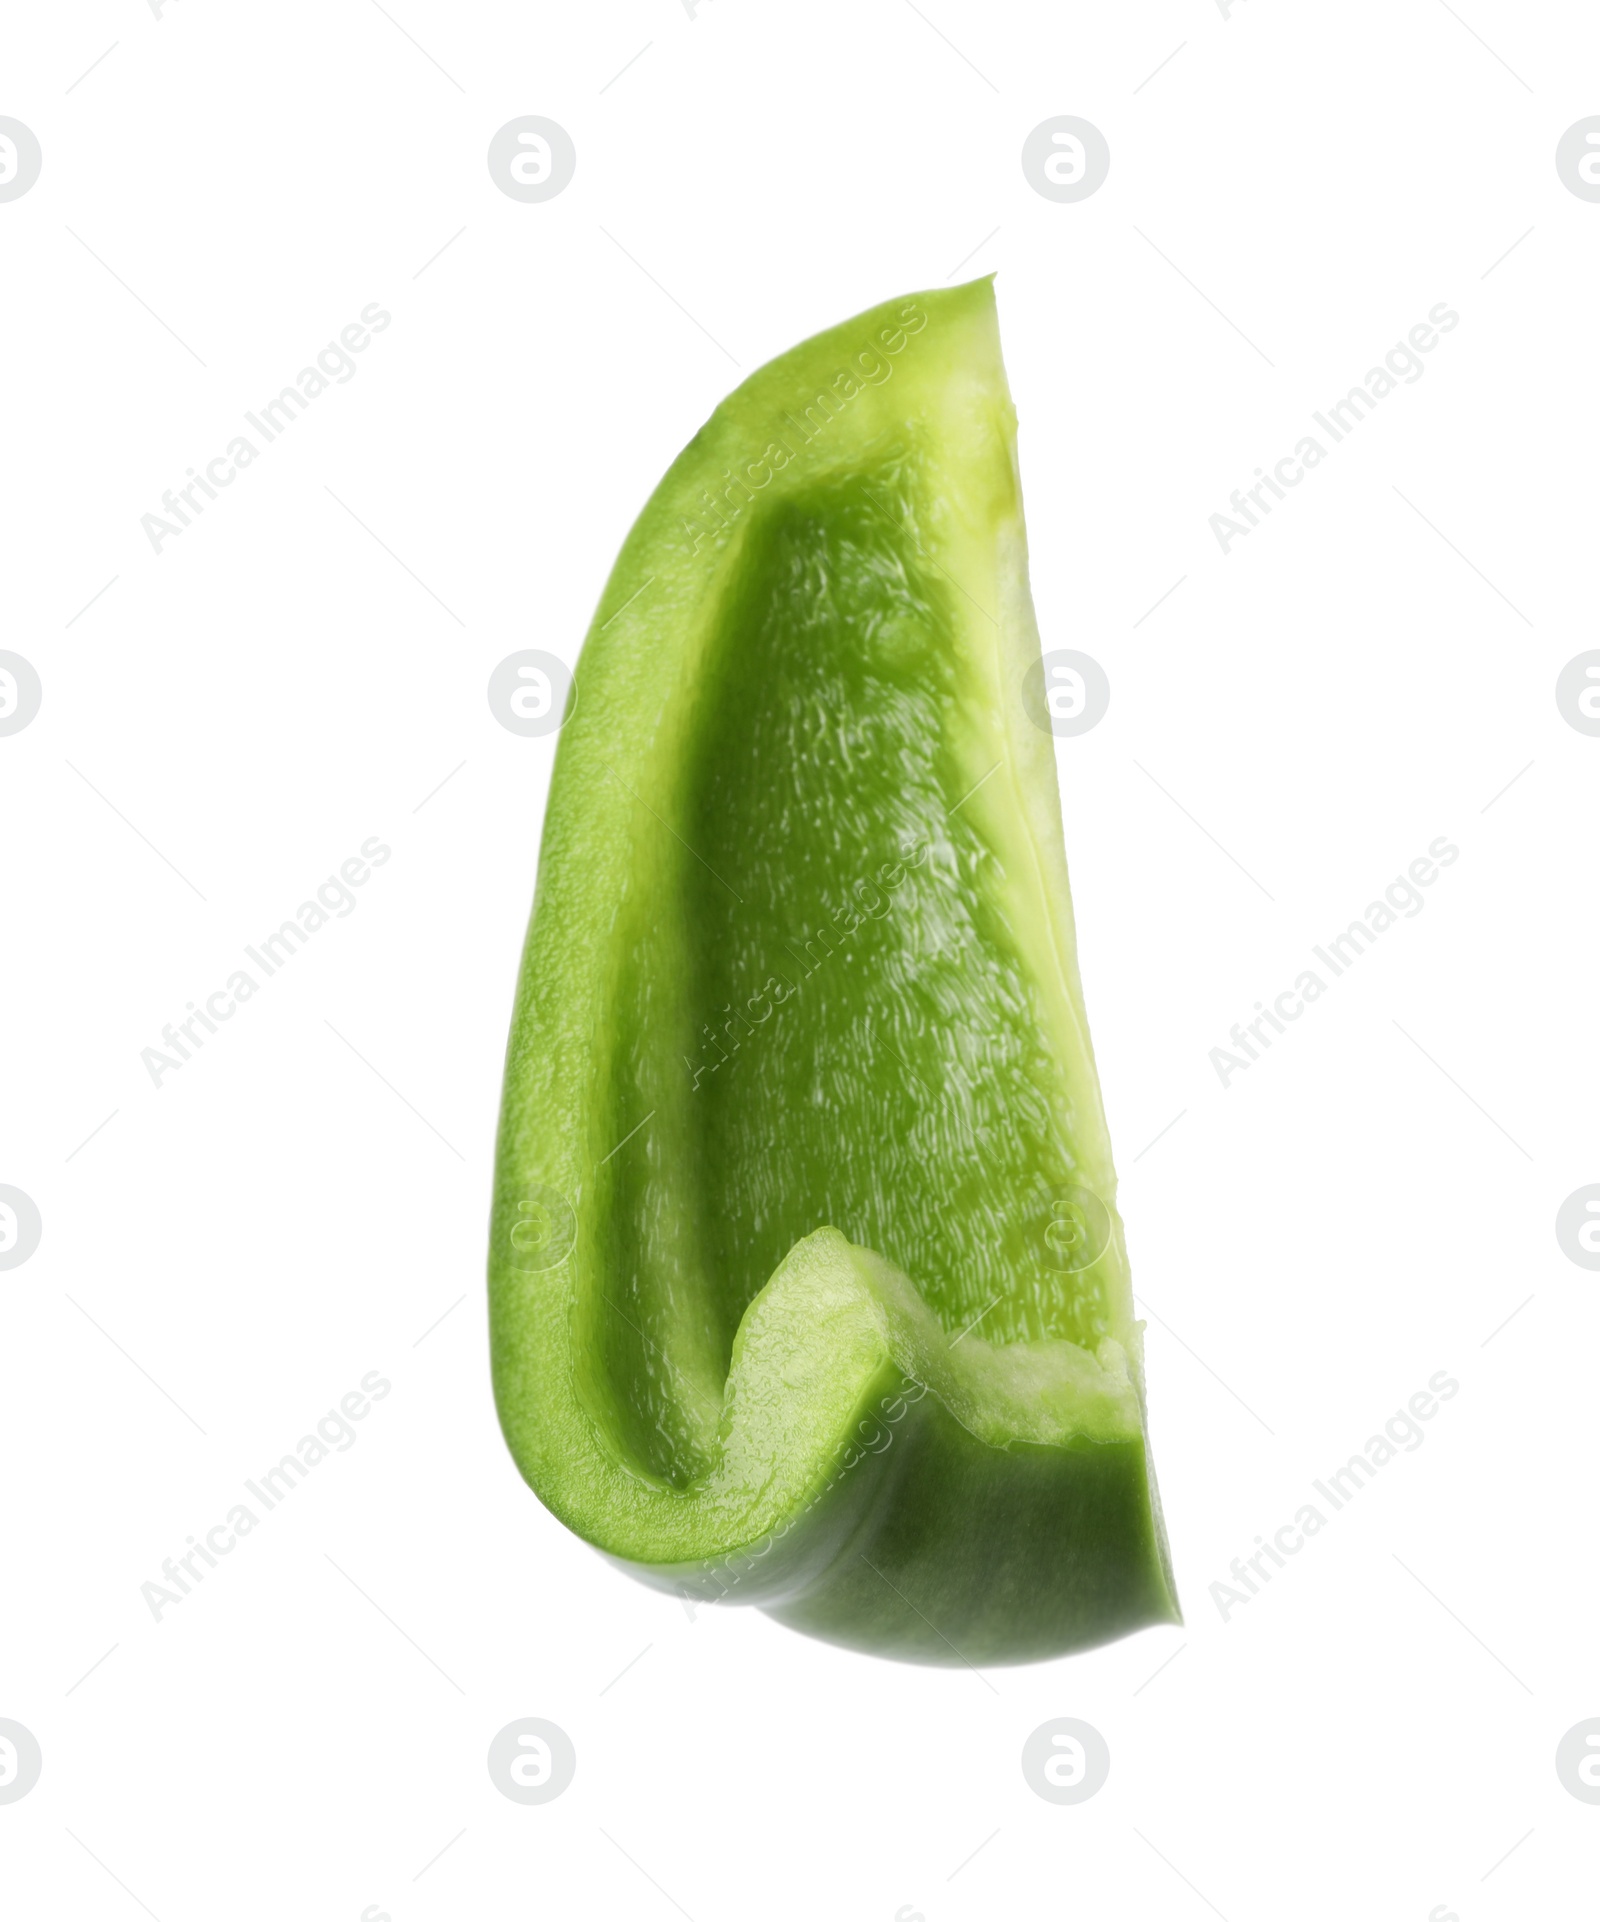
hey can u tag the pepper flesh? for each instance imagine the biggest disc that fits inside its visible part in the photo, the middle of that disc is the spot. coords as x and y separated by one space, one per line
807 1284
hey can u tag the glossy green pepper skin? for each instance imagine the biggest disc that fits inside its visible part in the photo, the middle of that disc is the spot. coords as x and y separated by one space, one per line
807 1283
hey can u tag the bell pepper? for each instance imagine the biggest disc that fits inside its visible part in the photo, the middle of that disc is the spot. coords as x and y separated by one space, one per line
807 1283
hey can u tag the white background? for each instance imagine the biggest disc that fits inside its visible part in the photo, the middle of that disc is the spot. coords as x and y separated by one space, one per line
304 1200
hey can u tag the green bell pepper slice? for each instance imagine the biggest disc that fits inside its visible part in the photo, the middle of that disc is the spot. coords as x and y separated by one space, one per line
807 1283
